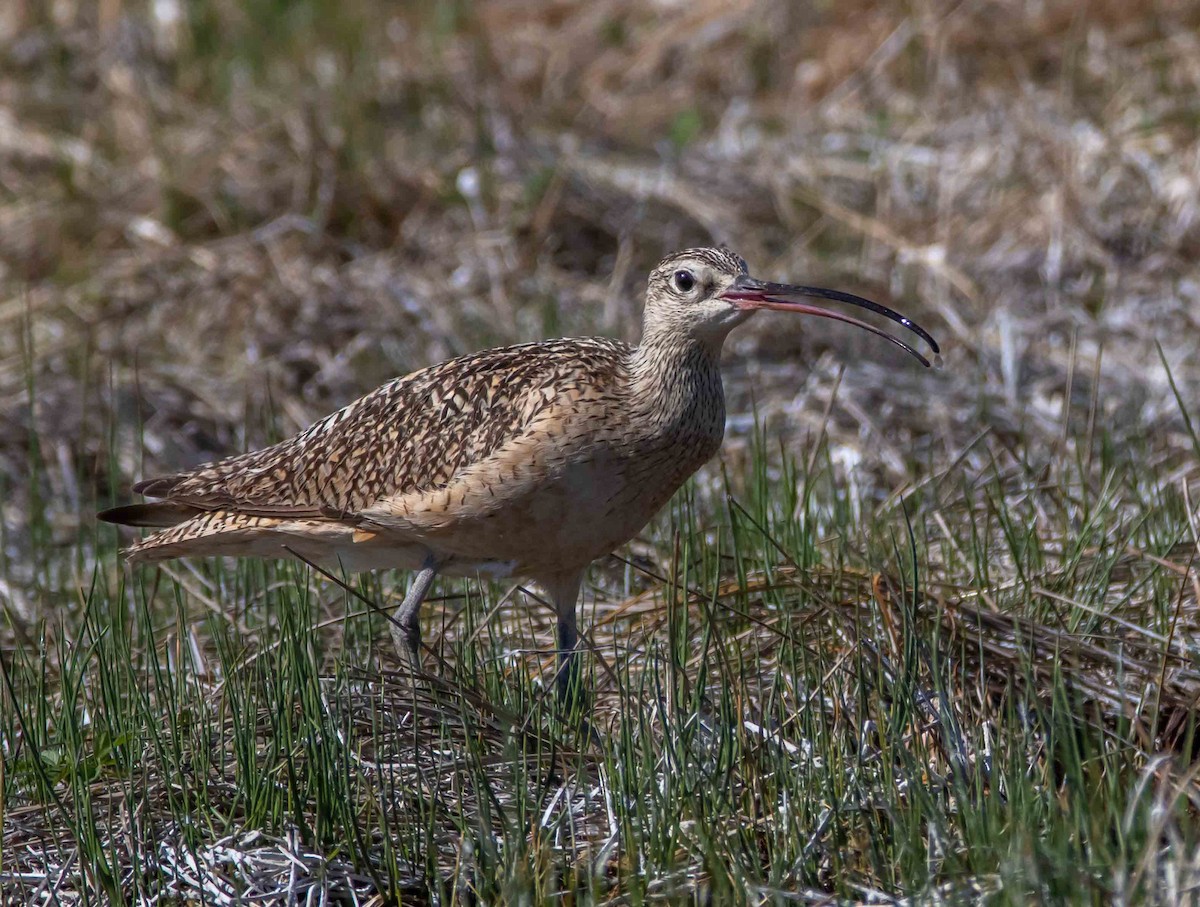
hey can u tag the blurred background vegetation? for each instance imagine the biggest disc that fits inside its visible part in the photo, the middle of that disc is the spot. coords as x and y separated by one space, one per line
227 217
221 219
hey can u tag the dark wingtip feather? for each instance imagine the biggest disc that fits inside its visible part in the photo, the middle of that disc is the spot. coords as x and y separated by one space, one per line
155 516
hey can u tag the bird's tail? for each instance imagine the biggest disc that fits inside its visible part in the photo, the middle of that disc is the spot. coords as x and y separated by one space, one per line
157 515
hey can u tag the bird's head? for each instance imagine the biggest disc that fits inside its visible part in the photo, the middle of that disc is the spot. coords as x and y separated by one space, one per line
702 294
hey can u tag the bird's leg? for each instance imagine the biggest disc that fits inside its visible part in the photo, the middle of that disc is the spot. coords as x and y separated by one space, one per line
567 677
564 593
405 625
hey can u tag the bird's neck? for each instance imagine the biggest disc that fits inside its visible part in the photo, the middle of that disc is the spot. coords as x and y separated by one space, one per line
678 380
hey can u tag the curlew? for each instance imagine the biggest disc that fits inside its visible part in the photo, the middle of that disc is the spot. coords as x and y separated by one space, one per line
527 461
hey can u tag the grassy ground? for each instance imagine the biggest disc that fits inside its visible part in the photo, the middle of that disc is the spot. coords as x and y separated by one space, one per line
916 636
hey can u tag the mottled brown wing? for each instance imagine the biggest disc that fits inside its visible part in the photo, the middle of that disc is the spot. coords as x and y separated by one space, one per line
414 433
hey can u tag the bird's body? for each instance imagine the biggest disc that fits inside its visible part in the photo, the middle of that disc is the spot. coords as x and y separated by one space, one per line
521 461
526 461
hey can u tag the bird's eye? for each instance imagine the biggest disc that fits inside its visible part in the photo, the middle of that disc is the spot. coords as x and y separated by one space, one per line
684 281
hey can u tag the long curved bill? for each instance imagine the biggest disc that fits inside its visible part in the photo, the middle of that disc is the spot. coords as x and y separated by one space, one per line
748 293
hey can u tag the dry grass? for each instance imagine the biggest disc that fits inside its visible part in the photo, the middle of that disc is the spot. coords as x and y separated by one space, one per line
1023 176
